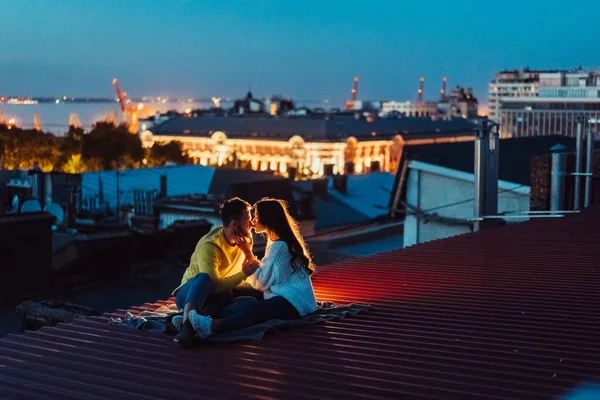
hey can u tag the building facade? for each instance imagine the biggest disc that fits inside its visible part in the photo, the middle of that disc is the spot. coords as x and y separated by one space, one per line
303 147
410 108
539 103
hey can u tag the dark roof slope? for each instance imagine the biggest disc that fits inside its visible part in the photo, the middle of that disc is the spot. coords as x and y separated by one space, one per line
508 313
514 164
336 128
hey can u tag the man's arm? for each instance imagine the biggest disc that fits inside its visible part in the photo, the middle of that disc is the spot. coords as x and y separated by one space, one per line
209 261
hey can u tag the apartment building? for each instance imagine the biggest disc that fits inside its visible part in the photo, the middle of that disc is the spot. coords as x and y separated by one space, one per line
545 102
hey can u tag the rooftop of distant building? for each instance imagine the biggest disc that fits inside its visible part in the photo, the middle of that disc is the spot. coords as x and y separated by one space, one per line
311 128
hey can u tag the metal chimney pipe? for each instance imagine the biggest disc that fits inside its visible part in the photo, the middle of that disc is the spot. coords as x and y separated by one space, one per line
100 191
577 168
589 168
557 186
47 189
480 173
163 186
492 171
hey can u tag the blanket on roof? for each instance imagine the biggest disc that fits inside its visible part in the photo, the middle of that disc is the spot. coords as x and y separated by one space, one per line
165 320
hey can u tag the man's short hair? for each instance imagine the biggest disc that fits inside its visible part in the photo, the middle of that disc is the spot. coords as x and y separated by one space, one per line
232 209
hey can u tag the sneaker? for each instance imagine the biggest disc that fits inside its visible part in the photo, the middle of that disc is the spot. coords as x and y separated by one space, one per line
177 321
202 324
186 334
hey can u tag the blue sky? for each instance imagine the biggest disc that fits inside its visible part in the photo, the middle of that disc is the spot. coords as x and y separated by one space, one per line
307 49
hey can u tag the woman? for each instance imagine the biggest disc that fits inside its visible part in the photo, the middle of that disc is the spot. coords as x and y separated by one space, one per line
283 275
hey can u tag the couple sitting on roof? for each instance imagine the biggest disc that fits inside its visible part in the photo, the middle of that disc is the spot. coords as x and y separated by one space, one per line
226 287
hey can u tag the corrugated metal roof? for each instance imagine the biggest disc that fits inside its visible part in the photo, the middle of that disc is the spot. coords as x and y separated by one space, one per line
368 194
181 180
510 313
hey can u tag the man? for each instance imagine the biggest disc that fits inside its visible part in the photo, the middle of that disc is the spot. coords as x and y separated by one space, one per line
216 267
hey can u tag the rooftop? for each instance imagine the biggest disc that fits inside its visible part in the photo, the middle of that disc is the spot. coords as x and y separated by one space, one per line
508 313
181 180
514 164
336 128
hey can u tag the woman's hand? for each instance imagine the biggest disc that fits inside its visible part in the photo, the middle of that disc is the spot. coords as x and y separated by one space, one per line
245 244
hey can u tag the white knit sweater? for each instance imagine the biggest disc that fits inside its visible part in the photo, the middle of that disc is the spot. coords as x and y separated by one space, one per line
275 277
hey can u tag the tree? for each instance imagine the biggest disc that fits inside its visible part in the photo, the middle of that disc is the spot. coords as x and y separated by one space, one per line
160 154
112 146
22 149
70 148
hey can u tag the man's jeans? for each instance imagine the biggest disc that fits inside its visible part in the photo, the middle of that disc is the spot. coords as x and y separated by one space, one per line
198 292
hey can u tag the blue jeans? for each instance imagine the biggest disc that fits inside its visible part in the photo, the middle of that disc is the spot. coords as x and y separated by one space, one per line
247 313
197 291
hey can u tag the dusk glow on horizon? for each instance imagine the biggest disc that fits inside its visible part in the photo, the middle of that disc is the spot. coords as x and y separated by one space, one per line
309 50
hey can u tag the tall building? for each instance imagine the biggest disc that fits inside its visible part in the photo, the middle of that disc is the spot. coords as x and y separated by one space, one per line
544 102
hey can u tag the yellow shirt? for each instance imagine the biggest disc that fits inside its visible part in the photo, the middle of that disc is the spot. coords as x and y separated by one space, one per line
217 258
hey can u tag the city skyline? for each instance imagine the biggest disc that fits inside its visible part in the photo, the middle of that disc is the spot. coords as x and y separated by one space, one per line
308 51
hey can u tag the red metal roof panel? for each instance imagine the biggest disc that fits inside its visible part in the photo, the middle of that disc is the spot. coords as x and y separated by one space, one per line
509 313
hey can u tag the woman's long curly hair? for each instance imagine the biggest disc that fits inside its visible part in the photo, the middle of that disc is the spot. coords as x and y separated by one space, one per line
273 214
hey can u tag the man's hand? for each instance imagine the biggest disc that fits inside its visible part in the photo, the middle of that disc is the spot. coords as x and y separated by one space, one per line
250 266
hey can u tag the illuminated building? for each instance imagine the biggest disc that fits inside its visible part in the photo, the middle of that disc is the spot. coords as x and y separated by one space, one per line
304 147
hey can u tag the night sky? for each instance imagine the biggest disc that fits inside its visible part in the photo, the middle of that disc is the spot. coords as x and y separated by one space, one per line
309 50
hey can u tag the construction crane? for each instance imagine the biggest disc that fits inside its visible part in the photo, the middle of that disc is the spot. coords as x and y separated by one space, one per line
420 91
350 104
131 113
37 124
74 121
355 89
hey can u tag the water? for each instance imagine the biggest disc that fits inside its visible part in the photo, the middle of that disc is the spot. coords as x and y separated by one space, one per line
55 117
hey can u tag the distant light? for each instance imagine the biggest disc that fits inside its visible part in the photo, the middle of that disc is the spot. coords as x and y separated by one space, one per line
140 106
144 161
57 101
188 110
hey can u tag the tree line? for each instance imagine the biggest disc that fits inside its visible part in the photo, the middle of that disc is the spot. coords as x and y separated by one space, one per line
107 146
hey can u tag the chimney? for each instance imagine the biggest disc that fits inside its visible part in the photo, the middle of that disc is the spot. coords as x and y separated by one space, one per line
340 183
292 171
163 186
486 174
47 199
100 191
320 188
349 167
557 186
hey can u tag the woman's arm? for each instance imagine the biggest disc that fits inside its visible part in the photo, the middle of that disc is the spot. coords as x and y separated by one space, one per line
274 267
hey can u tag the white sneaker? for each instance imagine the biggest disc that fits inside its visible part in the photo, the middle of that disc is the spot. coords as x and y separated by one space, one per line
202 324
